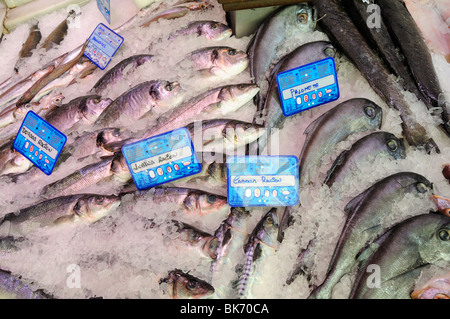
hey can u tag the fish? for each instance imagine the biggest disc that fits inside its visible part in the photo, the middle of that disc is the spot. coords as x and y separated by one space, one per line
340 28
367 149
212 103
219 62
14 287
116 74
364 223
223 135
436 288
80 208
417 241
443 204
59 33
446 172
211 30
261 243
192 201
12 162
33 39
417 55
185 286
270 113
195 238
141 99
263 49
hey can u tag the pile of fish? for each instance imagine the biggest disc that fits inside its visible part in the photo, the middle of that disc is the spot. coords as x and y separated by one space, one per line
374 172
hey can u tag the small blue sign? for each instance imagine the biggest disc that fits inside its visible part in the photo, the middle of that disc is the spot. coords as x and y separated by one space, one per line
39 142
102 46
262 181
105 8
308 86
161 159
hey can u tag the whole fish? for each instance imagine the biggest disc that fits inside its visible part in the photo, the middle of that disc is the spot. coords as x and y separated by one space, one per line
192 201
116 74
33 39
13 287
370 147
365 222
212 30
185 286
349 117
223 135
219 62
443 205
274 32
141 99
84 109
12 162
59 33
269 113
261 243
416 52
86 208
341 29
436 288
212 103
413 243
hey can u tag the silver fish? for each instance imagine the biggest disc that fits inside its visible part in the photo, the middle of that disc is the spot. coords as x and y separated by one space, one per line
212 30
184 286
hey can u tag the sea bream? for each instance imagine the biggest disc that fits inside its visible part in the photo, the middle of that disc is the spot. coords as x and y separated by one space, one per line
146 97
211 30
366 220
182 285
436 288
413 243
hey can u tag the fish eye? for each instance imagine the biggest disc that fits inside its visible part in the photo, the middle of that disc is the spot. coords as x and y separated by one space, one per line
392 145
191 284
99 199
330 52
269 219
57 100
370 111
421 188
213 25
96 101
241 86
28 105
232 51
444 235
302 17
169 87
212 199
116 132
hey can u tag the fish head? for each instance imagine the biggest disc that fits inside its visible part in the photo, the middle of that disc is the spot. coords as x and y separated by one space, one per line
218 171
210 203
215 31
18 164
305 17
93 207
168 94
234 96
229 61
111 135
120 169
238 133
143 59
395 146
435 243
238 219
94 106
370 113
210 247
185 286
268 228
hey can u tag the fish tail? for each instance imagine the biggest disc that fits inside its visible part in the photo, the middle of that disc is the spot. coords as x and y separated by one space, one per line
243 280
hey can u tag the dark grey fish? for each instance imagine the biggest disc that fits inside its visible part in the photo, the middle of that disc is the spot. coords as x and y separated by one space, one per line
341 29
368 148
115 74
365 215
34 37
58 34
14 287
410 245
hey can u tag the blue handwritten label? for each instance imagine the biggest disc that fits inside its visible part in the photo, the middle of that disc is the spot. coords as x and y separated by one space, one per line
39 142
262 181
102 46
308 86
105 8
161 159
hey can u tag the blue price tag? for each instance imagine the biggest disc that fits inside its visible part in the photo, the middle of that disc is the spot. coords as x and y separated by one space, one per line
308 86
105 8
262 181
161 159
102 46
39 142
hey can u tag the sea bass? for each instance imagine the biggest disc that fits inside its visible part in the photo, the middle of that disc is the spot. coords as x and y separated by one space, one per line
184 286
212 30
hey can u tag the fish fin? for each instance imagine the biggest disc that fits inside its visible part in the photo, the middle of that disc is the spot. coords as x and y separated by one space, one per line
353 205
67 219
338 162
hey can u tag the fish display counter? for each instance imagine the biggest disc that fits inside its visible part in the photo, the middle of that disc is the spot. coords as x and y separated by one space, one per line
163 150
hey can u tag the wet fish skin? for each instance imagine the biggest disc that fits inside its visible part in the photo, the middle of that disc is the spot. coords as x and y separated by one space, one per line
185 286
57 211
141 99
374 145
34 37
415 242
116 74
212 30
363 225
178 11
119 169
59 33
436 288
443 204
13 287
214 171
338 25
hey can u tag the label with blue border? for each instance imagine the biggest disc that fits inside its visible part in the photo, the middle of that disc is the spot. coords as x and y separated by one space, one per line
102 46
105 8
161 159
308 86
39 142
262 181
